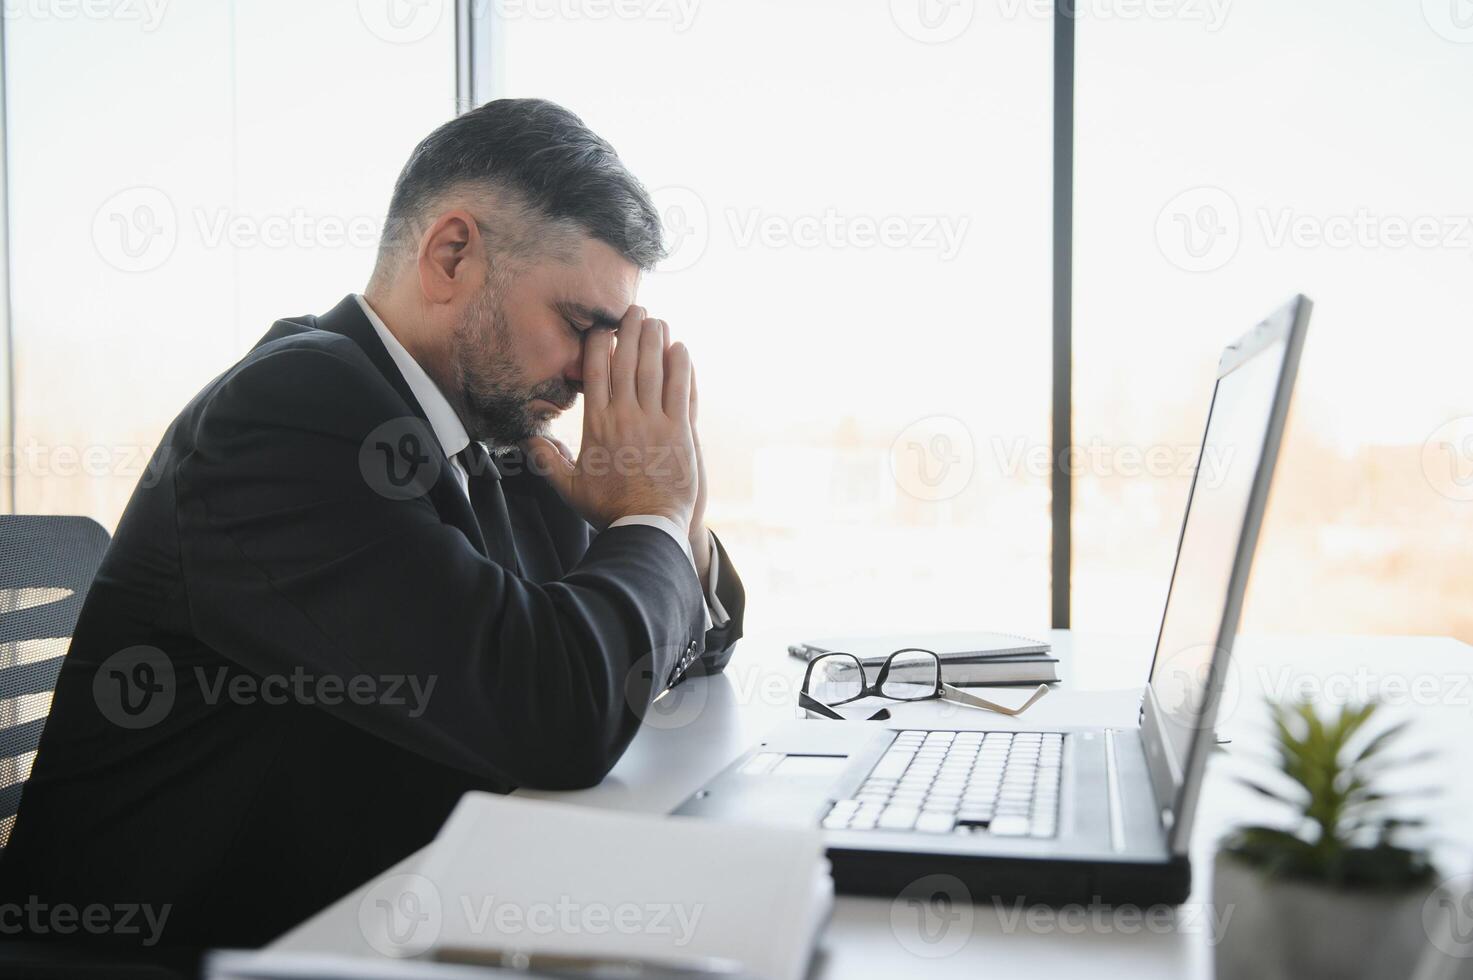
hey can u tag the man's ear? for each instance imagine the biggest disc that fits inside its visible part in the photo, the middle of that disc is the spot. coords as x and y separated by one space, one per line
451 257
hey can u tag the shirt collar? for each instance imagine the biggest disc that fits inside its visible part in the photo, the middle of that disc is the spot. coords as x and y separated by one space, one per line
448 428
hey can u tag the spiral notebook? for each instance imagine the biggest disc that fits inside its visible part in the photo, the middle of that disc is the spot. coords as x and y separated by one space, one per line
967 659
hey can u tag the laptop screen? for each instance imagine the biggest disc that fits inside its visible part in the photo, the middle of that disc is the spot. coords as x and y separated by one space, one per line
1217 512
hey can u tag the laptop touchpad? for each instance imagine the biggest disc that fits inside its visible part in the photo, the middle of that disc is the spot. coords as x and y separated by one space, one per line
794 764
811 765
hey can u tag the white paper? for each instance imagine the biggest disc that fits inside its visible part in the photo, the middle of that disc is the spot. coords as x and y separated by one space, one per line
539 876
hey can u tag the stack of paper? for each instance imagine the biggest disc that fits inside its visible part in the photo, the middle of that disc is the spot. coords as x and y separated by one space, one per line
543 877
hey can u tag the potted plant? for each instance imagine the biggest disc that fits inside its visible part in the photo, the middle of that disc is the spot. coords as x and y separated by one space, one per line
1333 891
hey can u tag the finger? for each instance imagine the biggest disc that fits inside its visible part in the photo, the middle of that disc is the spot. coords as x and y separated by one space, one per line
695 438
548 462
562 447
626 356
700 513
596 369
650 375
677 382
695 400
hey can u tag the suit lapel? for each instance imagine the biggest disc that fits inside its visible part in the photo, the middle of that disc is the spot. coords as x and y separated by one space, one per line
347 319
535 549
555 536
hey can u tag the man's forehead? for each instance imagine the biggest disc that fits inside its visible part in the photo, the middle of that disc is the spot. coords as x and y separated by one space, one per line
598 283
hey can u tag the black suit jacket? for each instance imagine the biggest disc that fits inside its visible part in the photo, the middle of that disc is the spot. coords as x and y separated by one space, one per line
304 609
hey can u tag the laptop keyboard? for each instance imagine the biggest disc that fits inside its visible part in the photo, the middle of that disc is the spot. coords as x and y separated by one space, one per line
1000 783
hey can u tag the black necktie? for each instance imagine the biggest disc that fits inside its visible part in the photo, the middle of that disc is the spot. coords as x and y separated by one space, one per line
489 503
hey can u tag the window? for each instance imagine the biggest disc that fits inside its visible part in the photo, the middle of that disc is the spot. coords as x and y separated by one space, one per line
1227 157
858 199
181 175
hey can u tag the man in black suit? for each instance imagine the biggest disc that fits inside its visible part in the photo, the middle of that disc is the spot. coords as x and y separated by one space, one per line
331 612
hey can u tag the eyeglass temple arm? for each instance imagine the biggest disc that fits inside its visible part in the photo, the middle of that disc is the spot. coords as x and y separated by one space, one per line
963 697
809 703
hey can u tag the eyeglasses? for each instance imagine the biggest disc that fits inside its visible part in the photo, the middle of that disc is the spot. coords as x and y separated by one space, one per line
909 674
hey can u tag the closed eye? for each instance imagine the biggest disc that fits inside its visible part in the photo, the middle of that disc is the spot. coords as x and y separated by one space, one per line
583 318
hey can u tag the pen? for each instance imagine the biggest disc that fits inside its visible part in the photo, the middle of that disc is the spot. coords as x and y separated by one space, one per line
452 963
592 967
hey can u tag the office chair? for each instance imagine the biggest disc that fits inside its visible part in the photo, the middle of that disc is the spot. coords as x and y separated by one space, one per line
46 567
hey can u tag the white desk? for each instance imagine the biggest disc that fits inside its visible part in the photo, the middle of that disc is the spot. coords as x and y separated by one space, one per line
715 719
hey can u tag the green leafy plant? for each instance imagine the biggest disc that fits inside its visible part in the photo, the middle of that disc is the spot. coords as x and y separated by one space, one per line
1345 828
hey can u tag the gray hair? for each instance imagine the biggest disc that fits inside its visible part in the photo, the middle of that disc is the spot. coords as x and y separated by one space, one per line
536 176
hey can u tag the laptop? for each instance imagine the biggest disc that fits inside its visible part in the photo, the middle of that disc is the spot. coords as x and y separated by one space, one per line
1074 814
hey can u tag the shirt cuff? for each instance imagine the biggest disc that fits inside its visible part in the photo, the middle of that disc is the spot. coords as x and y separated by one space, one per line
719 615
715 615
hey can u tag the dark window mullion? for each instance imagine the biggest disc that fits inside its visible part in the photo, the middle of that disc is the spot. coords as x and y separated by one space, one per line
1062 436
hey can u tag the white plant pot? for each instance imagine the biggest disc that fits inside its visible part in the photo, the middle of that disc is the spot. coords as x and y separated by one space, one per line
1280 929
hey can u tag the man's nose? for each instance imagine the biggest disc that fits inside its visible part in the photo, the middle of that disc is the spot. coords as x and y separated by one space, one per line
573 372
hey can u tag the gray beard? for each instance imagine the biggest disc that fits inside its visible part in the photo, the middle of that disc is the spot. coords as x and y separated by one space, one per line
496 396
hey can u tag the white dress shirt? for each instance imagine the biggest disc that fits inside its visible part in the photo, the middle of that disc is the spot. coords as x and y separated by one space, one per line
453 438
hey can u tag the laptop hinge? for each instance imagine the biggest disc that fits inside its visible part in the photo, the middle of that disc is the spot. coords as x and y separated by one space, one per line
1112 786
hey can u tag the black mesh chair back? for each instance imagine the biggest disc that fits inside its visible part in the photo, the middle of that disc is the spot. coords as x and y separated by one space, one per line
46 567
